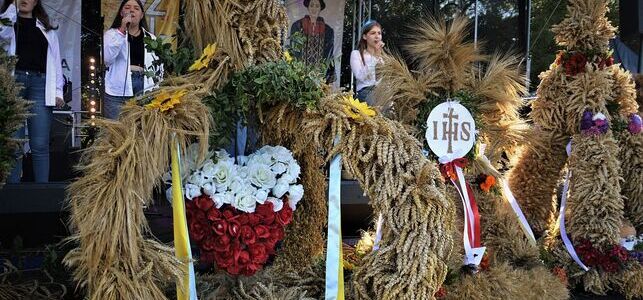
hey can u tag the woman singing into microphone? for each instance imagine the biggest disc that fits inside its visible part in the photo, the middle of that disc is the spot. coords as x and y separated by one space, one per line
126 58
34 41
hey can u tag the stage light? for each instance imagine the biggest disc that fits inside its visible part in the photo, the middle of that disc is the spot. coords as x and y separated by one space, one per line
92 68
92 103
92 60
92 74
93 117
93 81
93 124
93 110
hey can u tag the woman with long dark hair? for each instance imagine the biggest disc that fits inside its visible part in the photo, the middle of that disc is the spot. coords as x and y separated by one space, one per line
365 59
126 58
34 41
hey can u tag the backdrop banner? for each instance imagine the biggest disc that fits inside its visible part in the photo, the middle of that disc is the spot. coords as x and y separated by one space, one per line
321 24
66 14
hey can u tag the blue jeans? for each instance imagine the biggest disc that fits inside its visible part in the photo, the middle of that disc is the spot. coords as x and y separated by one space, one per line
366 95
112 104
39 125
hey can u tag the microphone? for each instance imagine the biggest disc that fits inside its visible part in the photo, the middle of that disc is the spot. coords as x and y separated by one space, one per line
128 23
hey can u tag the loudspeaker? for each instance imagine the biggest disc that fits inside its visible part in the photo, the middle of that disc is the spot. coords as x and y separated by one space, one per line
631 18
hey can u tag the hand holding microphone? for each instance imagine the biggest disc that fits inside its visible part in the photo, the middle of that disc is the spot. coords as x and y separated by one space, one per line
126 21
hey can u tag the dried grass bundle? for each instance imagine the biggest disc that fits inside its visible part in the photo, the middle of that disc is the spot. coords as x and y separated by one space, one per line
116 258
585 26
248 31
403 185
442 48
605 185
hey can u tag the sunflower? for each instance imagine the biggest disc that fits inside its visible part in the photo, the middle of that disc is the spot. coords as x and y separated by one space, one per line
165 101
204 60
356 109
287 56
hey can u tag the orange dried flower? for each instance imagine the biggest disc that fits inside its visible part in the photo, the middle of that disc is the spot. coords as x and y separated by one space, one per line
561 274
488 183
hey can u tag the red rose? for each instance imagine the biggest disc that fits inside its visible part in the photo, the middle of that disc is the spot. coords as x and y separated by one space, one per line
258 253
224 260
243 219
209 243
220 226
262 231
265 212
204 203
233 228
254 219
243 258
207 257
199 216
247 234
214 214
234 269
197 231
189 205
250 269
228 214
222 243
277 233
284 216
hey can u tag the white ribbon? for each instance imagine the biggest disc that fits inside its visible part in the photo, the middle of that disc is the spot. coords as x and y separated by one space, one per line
516 208
561 216
333 246
472 256
524 224
378 233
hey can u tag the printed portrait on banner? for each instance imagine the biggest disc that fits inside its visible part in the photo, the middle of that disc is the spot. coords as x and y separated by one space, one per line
315 33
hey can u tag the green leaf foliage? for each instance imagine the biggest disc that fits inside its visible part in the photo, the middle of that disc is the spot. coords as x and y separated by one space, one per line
260 87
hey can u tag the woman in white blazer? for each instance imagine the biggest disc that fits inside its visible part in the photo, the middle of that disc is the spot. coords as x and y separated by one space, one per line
34 41
126 58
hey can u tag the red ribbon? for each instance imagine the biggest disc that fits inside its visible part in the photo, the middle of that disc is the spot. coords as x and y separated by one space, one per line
448 169
448 172
475 223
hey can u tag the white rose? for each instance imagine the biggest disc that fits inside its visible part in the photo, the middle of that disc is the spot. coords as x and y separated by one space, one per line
208 169
223 174
277 204
261 196
280 189
282 154
223 198
599 116
242 160
245 202
192 191
295 193
261 176
238 185
293 171
167 177
197 179
279 168
209 188
242 172
168 194
223 156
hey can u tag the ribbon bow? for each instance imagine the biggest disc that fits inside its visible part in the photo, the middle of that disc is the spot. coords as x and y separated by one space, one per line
448 169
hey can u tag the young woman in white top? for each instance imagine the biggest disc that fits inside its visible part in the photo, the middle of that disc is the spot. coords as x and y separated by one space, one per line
365 59
126 58
34 41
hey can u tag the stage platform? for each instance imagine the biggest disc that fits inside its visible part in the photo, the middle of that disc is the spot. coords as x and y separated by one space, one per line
36 214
